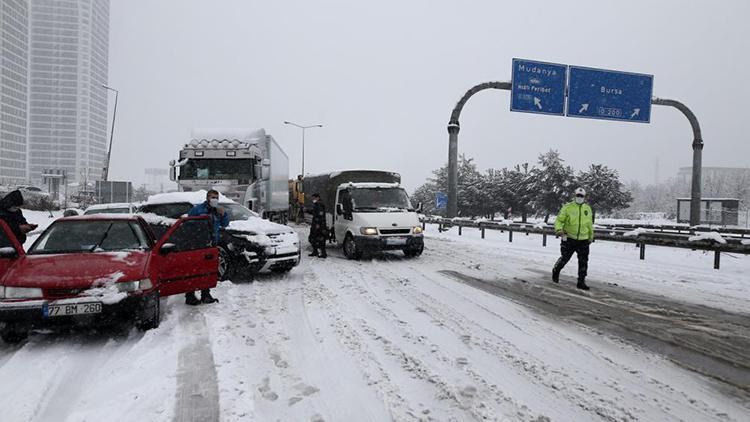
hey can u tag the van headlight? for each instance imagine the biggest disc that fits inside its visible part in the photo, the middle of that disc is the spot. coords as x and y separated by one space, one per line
417 230
23 293
368 231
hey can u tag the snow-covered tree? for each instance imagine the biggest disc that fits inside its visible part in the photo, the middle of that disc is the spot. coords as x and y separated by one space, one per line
553 184
604 190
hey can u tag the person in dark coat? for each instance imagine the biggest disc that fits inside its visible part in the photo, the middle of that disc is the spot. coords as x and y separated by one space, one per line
219 220
10 212
318 228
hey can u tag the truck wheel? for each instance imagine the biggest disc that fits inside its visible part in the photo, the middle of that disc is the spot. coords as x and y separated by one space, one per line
413 253
12 334
350 248
148 315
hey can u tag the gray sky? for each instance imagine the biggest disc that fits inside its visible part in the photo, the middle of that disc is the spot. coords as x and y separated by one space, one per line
383 76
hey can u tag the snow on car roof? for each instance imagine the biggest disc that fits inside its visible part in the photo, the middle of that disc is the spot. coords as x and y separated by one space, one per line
110 206
194 198
258 225
101 217
371 185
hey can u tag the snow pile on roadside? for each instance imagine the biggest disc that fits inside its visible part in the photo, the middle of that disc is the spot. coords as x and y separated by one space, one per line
637 232
715 236
106 290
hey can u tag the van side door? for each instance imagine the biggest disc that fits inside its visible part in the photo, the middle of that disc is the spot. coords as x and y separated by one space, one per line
184 259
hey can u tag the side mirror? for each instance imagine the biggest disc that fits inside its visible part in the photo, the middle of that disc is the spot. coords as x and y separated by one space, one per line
8 252
265 171
172 170
339 209
167 248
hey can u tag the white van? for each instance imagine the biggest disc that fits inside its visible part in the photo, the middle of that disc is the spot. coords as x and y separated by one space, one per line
368 211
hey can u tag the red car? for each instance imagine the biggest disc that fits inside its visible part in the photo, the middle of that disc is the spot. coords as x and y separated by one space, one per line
100 268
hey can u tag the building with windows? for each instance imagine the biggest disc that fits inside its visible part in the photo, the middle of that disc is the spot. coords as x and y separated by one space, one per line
14 51
68 56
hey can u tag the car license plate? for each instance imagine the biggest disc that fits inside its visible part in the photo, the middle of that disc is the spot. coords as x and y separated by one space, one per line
395 241
72 309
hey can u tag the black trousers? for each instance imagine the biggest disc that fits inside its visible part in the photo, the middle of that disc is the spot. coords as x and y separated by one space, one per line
567 249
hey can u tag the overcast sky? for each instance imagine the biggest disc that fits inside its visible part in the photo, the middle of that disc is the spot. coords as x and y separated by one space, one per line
383 76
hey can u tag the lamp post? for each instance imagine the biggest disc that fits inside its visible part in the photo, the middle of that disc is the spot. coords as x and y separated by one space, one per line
111 134
303 140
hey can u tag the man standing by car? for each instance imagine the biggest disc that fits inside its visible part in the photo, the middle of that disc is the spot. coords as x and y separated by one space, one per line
575 226
10 212
219 220
318 228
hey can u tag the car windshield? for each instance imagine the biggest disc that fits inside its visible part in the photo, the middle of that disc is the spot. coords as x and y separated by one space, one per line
108 211
220 168
91 236
379 199
238 212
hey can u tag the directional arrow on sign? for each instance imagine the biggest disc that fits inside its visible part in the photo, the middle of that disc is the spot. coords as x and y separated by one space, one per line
636 112
538 102
584 107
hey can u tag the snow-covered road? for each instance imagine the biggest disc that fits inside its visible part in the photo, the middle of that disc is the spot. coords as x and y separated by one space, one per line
394 339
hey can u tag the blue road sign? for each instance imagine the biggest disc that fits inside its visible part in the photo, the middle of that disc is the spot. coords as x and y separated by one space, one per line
538 87
441 201
610 95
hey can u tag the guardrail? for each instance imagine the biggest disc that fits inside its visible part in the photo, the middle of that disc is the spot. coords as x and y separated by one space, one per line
640 235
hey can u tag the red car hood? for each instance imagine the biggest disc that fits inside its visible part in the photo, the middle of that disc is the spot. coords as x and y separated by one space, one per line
76 271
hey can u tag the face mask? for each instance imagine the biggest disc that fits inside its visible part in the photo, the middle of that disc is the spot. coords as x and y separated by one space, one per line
213 202
579 200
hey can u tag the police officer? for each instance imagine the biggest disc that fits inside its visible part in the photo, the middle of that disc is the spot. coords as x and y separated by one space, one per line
575 226
318 228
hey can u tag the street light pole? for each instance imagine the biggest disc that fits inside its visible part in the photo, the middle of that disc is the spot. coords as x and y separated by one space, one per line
112 132
303 140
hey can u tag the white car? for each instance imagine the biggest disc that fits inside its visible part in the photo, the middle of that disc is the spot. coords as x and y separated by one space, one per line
249 244
113 208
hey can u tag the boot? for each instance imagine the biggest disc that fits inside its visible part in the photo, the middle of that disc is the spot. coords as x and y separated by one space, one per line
323 253
314 253
190 299
555 275
207 298
582 285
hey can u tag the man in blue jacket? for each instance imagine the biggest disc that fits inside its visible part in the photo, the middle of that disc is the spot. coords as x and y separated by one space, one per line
219 220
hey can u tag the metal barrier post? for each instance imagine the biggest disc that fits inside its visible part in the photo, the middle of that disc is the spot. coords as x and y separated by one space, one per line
717 259
643 251
482 232
510 236
459 230
544 239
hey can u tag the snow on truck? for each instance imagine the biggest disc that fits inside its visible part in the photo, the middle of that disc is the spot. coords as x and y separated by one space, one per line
247 166
368 211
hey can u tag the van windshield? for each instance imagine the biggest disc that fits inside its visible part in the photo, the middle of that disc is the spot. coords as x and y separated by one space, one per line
380 199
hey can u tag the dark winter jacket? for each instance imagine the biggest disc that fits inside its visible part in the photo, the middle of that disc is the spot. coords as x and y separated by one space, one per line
318 228
217 221
14 219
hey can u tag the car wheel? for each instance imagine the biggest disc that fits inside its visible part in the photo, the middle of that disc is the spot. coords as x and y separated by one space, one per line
149 312
13 334
225 264
350 248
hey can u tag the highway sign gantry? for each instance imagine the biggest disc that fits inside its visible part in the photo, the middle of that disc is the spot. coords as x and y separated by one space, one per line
609 95
538 87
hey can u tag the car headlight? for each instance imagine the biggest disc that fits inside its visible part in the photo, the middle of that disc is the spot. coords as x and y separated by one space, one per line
417 230
133 286
23 293
369 231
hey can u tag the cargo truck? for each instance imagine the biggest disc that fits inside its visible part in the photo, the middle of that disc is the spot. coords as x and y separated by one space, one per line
367 211
247 166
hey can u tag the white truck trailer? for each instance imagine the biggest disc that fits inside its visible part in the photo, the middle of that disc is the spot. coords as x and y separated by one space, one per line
246 165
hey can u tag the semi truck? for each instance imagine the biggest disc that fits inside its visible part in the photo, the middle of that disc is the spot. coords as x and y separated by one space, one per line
367 211
246 165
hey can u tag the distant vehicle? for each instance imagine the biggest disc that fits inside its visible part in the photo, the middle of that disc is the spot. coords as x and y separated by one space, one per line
98 269
250 243
248 166
31 192
114 208
72 212
368 211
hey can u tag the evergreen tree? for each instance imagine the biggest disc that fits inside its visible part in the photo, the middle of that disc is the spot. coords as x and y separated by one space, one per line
553 184
604 190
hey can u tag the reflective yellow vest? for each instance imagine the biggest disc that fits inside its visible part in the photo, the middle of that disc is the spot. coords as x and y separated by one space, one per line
576 221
